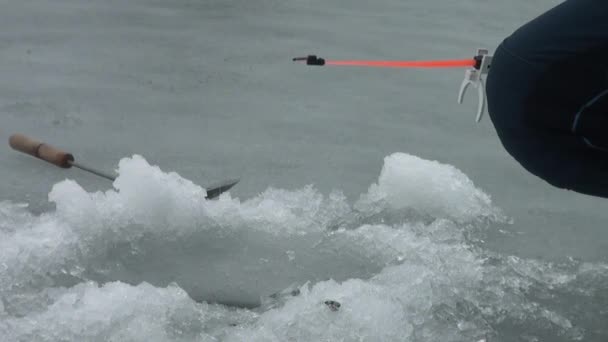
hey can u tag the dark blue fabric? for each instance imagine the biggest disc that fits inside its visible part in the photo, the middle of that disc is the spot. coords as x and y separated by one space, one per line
540 78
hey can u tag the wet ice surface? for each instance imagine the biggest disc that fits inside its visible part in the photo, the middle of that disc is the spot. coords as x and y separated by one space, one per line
151 260
207 88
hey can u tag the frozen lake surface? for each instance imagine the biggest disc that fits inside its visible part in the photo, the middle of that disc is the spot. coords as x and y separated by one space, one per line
370 188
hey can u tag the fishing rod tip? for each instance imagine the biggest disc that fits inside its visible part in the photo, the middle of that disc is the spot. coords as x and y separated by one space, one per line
310 60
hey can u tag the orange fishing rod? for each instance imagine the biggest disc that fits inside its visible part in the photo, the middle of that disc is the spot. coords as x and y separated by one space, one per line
476 67
448 63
